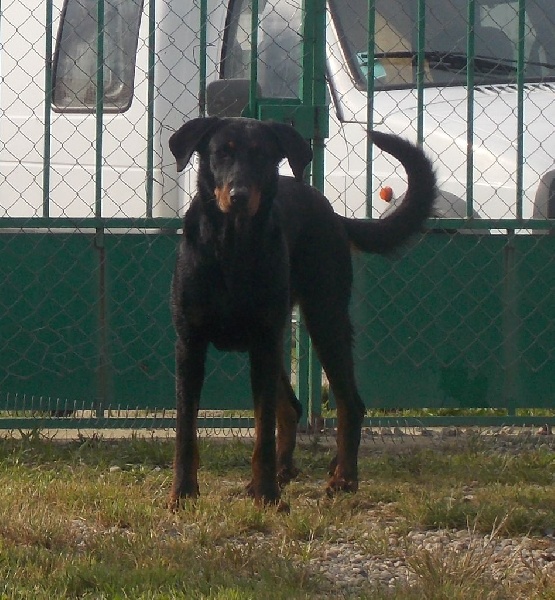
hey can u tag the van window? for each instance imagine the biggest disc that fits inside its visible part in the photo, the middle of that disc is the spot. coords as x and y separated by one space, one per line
446 25
75 61
279 46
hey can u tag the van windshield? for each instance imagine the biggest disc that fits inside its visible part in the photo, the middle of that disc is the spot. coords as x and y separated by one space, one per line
496 34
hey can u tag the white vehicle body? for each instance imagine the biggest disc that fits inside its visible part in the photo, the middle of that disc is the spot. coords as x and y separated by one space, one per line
85 179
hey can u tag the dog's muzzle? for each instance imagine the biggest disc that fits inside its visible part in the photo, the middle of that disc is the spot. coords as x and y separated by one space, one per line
238 199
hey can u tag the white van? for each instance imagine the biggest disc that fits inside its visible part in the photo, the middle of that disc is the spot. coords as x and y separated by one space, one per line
60 156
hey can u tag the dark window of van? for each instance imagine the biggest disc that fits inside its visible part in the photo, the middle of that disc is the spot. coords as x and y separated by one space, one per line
496 40
75 61
279 48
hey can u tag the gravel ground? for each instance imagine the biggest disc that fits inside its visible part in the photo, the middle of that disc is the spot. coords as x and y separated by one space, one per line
351 562
348 567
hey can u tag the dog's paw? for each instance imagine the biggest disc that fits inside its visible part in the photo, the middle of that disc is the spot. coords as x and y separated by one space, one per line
286 475
339 484
283 507
249 489
173 503
267 497
176 498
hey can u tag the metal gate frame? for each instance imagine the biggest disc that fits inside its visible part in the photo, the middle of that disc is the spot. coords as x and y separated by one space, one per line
88 356
97 375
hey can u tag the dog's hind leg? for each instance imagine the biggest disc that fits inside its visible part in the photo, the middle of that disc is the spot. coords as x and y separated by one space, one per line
331 335
190 358
289 411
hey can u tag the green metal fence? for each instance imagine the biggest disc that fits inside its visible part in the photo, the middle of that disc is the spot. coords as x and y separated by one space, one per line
91 204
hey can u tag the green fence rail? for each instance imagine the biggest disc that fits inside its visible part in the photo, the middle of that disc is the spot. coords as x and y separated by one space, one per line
91 206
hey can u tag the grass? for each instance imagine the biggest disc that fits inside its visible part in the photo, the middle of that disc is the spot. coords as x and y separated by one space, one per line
87 519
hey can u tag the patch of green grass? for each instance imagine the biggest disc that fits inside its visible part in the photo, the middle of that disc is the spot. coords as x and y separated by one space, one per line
434 489
87 519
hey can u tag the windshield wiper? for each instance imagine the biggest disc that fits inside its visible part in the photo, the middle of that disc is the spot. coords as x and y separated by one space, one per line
454 61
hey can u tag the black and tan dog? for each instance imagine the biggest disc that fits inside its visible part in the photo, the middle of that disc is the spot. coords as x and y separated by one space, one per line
254 244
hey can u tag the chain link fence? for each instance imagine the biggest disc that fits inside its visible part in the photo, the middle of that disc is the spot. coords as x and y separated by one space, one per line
90 202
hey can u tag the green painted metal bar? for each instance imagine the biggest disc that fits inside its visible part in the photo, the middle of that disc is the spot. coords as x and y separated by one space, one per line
99 106
314 412
470 52
470 223
302 360
102 367
520 108
150 107
303 349
140 223
510 325
420 60
229 423
370 88
202 58
81 223
446 421
253 60
308 58
47 111
317 49
26 423
319 91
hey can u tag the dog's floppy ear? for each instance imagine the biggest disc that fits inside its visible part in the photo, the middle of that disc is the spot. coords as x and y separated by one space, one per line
188 137
295 148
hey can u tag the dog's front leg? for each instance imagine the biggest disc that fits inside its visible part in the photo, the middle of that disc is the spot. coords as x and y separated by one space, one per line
190 358
265 358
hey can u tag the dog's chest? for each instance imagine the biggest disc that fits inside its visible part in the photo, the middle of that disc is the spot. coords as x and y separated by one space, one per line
234 310
232 277
232 298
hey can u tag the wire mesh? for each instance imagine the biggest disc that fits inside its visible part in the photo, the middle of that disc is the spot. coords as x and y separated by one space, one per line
90 210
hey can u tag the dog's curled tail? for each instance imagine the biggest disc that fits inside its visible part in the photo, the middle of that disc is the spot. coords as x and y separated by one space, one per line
385 235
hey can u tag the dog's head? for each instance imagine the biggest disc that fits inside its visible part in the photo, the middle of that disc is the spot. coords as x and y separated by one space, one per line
239 157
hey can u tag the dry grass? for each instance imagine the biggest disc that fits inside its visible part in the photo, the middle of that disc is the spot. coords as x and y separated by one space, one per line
87 519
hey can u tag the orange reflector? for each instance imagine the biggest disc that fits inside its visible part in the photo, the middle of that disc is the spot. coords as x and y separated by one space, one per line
386 194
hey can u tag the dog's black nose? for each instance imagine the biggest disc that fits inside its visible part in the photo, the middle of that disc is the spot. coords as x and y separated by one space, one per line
239 195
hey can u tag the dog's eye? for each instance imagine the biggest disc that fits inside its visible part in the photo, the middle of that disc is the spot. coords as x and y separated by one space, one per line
224 152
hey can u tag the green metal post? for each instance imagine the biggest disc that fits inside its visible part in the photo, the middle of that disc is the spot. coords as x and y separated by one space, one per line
318 92
102 371
302 360
304 346
370 86
420 59
47 112
254 60
202 64
510 325
470 51
317 9
99 106
150 107
308 58
520 108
